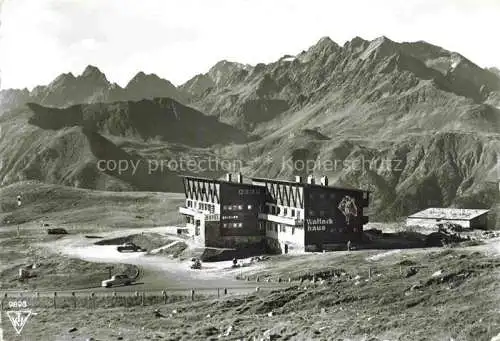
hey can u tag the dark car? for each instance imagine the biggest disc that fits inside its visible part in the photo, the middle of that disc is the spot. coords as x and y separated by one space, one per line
57 230
130 247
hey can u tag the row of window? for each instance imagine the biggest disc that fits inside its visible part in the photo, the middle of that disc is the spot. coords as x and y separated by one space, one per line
321 195
201 206
232 225
285 211
313 213
236 207
282 228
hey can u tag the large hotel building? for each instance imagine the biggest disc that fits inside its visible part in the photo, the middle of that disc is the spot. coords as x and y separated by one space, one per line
281 215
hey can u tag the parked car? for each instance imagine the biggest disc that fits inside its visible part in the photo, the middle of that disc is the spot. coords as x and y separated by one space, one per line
57 230
130 247
117 280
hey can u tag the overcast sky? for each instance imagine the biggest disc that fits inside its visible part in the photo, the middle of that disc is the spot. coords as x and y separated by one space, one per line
176 39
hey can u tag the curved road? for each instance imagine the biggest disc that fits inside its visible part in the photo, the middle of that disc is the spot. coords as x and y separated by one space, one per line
158 273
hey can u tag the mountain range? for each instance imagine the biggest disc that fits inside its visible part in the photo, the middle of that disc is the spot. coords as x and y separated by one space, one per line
91 86
422 123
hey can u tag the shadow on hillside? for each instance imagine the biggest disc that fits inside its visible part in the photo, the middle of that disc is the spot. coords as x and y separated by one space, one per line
160 118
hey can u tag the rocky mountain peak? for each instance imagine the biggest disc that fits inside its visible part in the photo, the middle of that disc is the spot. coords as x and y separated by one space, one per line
381 46
93 73
324 46
143 77
355 45
63 79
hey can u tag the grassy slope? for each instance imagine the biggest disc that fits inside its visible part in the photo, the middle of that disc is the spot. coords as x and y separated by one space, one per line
77 208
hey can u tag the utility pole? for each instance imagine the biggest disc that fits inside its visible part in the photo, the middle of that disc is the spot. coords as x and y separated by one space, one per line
18 206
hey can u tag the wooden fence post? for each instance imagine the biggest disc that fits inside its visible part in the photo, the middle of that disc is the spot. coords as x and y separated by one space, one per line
225 291
192 294
4 299
143 297
92 300
73 294
218 293
370 272
164 293
55 303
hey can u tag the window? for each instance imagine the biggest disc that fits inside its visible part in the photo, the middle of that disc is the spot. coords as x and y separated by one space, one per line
225 225
249 207
321 213
240 207
312 213
285 211
293 230
235 224
293 213
275 228
322 196
224 207
240 225
278 210
332 195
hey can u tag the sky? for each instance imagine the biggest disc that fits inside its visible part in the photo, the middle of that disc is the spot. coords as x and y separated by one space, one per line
177 39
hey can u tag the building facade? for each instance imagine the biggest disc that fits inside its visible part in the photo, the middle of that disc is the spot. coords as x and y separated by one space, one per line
283 216
467 218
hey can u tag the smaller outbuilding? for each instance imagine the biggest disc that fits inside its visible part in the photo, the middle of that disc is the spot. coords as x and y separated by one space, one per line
467 218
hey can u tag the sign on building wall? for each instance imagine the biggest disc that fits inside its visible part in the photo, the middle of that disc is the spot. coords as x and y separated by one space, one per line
318 224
